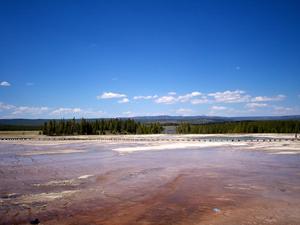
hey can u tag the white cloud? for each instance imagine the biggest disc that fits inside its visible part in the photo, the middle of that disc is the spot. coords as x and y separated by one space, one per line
12 111
62 111
128 114
280 110
171 98
4 106
218 108
29 84
166 100
224 111
109 95
5 84
268 99
189 96
145 97
253 105
76 111
21 110
91 113
18 110
184 112
201 100
195 97
236 96
124 100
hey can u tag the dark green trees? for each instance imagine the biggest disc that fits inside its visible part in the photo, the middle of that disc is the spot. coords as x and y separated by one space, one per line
153 128
241 127
108 126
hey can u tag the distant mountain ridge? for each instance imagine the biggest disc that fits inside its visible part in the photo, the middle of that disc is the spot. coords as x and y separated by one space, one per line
165 119
210 119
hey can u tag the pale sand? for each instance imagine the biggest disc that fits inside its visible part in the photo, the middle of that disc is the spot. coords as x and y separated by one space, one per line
164 146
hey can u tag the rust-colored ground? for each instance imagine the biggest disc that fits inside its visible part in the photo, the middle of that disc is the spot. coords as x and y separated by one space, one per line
90 184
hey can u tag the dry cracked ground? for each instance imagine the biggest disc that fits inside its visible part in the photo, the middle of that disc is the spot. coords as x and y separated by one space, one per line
82 183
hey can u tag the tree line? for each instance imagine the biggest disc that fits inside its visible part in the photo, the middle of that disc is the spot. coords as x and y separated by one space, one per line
103 126
5 127
288 126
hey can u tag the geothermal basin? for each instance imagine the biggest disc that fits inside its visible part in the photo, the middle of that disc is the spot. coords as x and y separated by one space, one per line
155 180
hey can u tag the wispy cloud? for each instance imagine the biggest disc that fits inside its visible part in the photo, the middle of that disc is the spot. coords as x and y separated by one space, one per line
172 98
5 84
201 100
4 106
268 99
281 110
184 112
147 97
166 100
109 95
62 111
253 105
128 114
12 111
21 110
124 100
196 97
236 96
25 110
218 108
79 112
187 97
226 97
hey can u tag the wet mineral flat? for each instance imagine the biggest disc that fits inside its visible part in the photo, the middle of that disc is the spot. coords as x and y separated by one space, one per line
97 183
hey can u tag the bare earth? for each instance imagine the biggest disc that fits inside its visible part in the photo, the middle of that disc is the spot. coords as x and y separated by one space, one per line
151 180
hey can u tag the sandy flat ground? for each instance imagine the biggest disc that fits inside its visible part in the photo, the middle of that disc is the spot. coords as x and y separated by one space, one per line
152 179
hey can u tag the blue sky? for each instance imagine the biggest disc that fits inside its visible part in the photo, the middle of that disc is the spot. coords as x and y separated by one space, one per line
133 58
